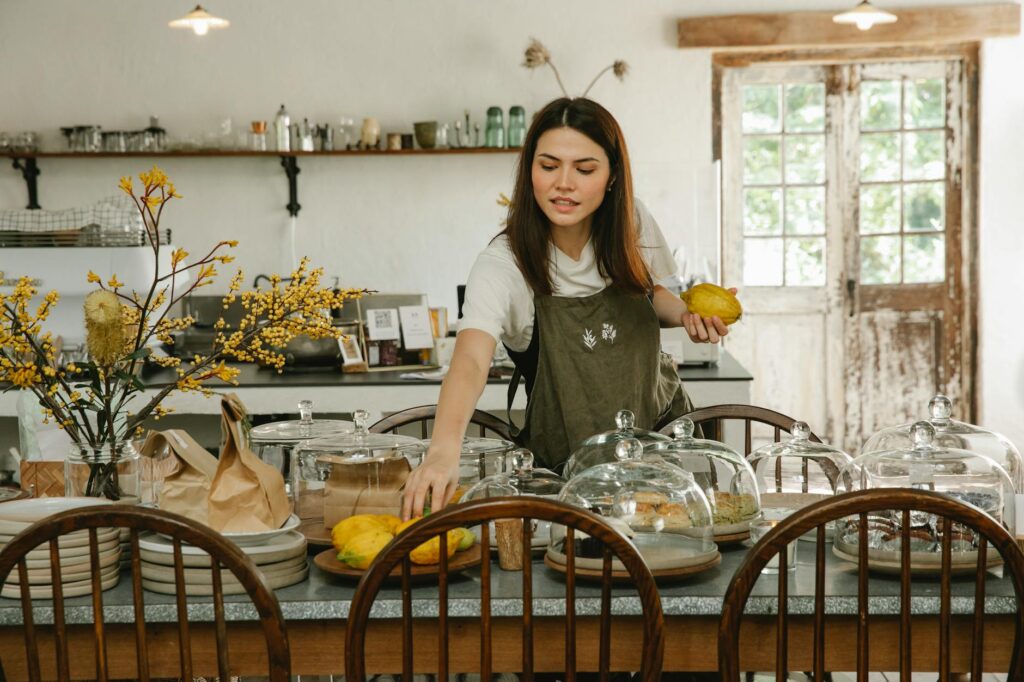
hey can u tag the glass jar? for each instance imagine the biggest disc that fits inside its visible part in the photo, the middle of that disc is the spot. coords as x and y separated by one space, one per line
724 475
658 506
274 443
479 459
600 448
795 473
926 465
516 126
494 133
350 473
520 479
950 433
104 471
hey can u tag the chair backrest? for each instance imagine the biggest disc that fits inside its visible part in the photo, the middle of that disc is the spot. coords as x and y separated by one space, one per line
481 513
859 504
712 420
136 519
487 424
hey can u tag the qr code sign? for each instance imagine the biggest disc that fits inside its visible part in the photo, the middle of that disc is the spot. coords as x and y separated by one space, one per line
383 318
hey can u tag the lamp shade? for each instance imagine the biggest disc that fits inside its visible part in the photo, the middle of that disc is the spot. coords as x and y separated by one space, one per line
864 16
200 21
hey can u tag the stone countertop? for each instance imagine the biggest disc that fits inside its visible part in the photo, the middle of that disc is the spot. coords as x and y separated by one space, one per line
252 376
325 597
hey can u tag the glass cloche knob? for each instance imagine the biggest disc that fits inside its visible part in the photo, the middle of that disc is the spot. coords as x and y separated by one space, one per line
361 419
800 431
923 435
624 420
629 449
940 408
682 428
522 460
306 411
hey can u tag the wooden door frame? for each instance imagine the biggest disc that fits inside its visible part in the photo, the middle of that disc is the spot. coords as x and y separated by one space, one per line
962 344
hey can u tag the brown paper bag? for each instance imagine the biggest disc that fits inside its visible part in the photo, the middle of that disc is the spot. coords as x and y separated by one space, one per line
247 494
185 476
363 488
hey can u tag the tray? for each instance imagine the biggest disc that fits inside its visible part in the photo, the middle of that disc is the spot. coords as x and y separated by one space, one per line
620 576
327 561
921 563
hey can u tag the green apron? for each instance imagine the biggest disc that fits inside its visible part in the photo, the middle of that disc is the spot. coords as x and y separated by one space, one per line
589 358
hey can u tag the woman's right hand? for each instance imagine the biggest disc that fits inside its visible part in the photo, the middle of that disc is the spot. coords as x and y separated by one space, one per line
437 476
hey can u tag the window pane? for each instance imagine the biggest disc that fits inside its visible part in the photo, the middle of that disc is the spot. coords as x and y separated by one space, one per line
805 108
880 157
805 210
925 103
880 260
762 212
879 209
879 105
805 262
924 258
761 109
924 156
924 207
761 161
762 262
805 158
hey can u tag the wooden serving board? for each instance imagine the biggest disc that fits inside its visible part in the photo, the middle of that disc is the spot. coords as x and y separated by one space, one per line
663 575
316 533
327 561
728 538
929 566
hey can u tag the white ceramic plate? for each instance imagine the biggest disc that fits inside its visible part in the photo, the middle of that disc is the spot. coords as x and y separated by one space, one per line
657 555
275 583
68 572
159 550
79 538
258 537
18 515
72 589
40 558
203 576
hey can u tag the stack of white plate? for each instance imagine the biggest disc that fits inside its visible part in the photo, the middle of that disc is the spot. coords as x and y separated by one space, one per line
75 562
281 559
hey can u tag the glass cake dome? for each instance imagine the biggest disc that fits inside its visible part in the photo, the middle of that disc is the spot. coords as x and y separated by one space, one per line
726 478
600 448
950 433
926 465
480 458
797 472
658 506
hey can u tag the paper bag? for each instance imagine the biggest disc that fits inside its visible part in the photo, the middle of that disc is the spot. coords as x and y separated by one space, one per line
247 495
184 477
373 487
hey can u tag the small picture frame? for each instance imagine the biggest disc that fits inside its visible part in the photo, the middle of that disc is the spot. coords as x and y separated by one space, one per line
350 352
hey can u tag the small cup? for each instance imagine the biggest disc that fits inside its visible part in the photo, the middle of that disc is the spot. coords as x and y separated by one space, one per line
509 538
406 140
394 141
426 134
760 528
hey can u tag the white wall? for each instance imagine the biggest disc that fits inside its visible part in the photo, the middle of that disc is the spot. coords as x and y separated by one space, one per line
416 224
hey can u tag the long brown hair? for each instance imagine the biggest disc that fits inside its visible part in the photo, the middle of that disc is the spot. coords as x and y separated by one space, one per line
614 231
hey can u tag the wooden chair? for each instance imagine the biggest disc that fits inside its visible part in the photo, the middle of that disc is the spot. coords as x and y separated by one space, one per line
181 529
482 512
859 504
711 420
486 423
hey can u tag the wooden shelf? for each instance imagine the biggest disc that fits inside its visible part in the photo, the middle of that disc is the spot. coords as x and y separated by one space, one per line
27 162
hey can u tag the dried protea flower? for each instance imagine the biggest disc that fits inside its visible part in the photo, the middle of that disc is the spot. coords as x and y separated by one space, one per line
618 67
503 200
537 55
104 327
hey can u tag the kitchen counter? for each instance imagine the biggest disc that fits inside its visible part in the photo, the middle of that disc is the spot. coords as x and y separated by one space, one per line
382 392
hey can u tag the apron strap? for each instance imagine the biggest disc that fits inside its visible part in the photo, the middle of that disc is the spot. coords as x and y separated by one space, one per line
513 388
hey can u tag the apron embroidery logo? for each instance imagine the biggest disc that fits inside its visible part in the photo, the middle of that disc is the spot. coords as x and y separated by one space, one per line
608 332
589 340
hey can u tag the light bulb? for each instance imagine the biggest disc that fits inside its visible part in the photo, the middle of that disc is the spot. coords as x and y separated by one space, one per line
862 24
201 28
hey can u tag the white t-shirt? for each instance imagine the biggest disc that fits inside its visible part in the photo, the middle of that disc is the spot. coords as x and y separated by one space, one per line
500 302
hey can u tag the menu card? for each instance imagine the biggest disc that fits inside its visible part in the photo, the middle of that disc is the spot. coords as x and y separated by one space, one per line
416 329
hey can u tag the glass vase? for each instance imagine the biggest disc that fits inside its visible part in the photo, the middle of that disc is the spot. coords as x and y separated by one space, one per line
103 471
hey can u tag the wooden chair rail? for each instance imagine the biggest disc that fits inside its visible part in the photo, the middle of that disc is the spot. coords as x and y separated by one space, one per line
482 513
92 519
715 415
485 422
860 504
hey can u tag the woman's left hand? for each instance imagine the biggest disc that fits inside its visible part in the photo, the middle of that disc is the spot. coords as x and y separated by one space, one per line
705 329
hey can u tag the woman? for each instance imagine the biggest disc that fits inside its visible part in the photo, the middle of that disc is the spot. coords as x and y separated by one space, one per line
569 288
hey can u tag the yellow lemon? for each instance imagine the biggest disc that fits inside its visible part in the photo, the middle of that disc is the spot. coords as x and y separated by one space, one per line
710 300
353 525
361 549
